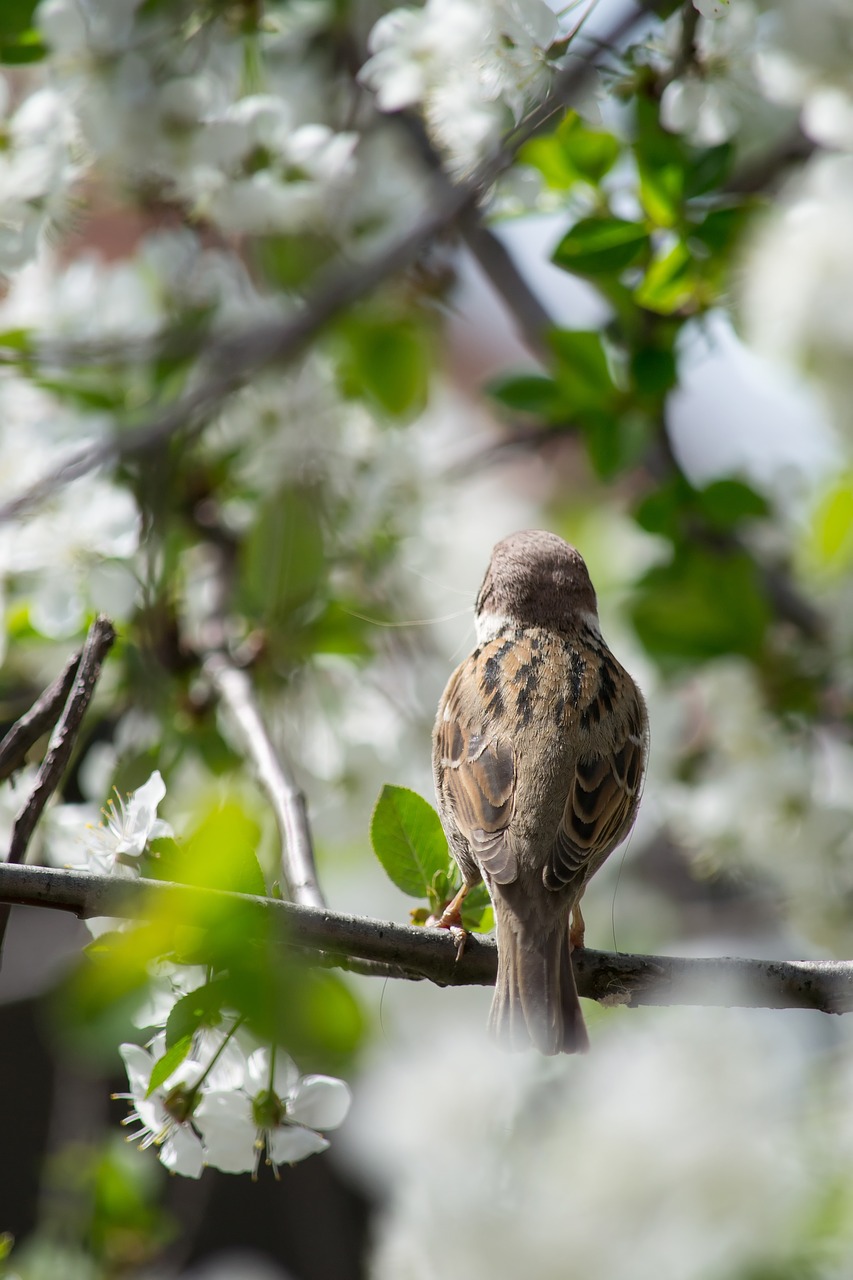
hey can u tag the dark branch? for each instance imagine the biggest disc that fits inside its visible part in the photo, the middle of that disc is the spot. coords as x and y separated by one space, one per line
401 950
98 643
42 716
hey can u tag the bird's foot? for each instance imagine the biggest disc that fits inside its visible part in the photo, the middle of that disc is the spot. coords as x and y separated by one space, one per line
451 919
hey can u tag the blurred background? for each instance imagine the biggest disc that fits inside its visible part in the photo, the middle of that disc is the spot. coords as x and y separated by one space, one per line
640 337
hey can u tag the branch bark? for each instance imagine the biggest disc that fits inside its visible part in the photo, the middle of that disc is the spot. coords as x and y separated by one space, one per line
42 716
98 643
299 870
401 950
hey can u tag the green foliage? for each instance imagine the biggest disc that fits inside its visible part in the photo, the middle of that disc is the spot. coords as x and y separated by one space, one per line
677 510
282 560
829 543
409 841
219 853
20 39
169 1062
572 153
386 361
601 246
255 976
705 603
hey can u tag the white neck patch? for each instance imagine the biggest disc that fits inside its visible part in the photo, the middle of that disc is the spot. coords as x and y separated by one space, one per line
488 625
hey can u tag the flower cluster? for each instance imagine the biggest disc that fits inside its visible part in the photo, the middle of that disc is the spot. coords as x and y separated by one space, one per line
229 1106
219 1098
472 66
698 1142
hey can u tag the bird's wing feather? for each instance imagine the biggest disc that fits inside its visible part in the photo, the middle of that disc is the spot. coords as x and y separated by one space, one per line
600 808
477 776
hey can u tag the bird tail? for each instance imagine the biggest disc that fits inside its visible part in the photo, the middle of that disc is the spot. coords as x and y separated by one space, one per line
535 998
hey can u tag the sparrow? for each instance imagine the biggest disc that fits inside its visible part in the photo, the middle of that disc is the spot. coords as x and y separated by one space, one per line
539 754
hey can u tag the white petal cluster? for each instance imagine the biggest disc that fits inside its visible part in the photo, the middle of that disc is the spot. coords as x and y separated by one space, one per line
807 62
116 846
686 1149
797 288
166 105
716 94
472 66
773 801
39 164
229 1106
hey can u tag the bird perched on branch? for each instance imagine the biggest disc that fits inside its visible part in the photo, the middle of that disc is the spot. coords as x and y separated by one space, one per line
539 752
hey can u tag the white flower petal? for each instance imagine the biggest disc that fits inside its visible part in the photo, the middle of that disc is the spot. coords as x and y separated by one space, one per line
289 1143
182 1152
228 1131
321 1102
285 1076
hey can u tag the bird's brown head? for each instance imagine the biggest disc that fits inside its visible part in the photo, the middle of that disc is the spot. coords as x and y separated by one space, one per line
535 578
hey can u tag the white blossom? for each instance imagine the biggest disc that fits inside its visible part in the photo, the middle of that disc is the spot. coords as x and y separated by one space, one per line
116 846
37 171
229 1108
165 1116
807 60
716 93
797 284
276 1112
471 65
673 1143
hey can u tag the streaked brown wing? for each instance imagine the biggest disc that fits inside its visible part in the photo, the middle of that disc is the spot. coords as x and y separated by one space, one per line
600 809
477 776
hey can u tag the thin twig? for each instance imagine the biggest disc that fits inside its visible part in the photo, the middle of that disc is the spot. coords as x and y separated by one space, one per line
402 950
42 716
297 850
98 643
230 360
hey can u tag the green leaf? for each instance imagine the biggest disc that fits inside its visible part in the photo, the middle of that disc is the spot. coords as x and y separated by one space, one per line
529 393
830 540
17 339
708 170
387 361
310 1011
408 840
283 559
582 372
600 246
701 605
662 159
675 509
614 441
654 372
169 1062
199 1008
663 509
725 503
25 48
669 283
289 261
719 230
220 853
572 153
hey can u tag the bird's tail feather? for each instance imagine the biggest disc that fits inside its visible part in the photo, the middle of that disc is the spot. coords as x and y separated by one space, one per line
535 1000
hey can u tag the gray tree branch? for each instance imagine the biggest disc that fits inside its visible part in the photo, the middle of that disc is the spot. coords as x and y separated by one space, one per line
297 849
403 951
